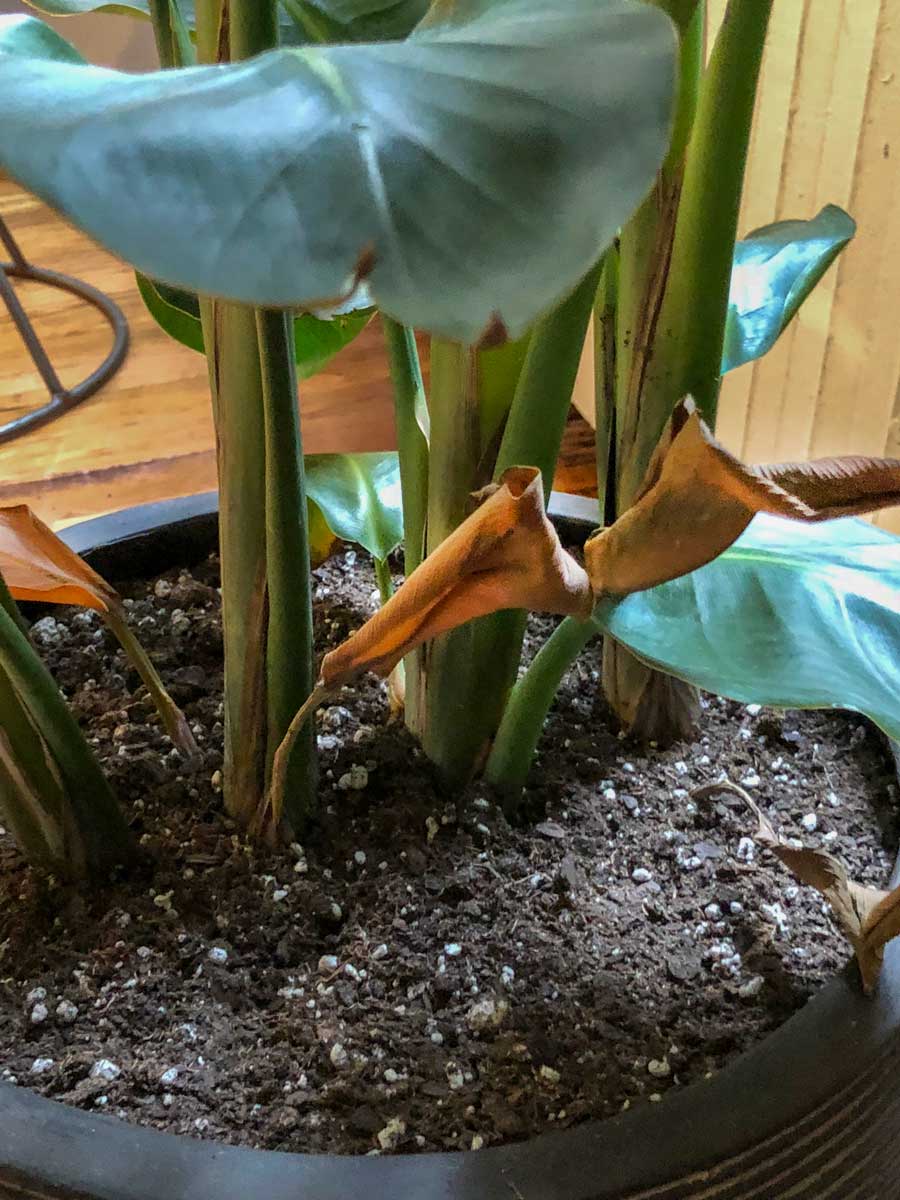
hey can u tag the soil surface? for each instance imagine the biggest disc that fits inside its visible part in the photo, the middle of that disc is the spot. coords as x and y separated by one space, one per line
420 973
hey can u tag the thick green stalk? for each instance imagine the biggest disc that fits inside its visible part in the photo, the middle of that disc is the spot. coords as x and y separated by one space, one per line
529 702
173 42
448 673
32 802
240 442
161 17
696 304
103 838
290 672
464 702
252 27
383 579
645 388
412 446
212 44
605 306
410 412
645 392
9 605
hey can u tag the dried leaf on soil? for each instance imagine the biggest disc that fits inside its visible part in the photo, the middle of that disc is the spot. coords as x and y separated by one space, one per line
869 917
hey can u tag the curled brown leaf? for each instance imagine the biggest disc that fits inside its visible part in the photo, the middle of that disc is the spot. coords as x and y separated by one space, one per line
869 917
697 499
506 554
38 565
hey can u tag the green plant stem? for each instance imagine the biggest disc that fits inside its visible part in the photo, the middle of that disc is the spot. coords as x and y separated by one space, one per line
412 447
605 306
447 674
236 384
8 604
695 309
172 717
289 650
252 27
383 579
540 407
209 15
161 18
645 391
101 829
529 702
173 42
32 802
465 703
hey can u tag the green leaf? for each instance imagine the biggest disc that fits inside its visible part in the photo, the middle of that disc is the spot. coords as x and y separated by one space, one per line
473 173
775 268
175 311
30 38
359 497
71 8
317 339
356 20
795 616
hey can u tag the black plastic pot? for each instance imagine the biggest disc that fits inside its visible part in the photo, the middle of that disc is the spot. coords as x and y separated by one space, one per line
812 1113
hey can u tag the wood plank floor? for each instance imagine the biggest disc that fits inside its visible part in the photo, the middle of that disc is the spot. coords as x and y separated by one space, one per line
147 435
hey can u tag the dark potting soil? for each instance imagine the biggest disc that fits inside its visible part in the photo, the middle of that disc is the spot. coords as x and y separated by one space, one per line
420 973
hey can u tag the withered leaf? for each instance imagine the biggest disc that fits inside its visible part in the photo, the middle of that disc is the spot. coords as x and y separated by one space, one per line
697 499
38 565
505 555
869 917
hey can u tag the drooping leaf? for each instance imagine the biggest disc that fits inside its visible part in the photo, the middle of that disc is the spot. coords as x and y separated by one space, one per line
775 269
27 37
696 499
359 498
869 917
472 173
37 565
505 555
317 340
796 616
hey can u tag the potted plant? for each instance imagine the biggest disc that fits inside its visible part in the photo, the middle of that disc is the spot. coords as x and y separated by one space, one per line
462 126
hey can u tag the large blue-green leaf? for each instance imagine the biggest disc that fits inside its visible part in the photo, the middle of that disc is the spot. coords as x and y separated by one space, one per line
31 38
473 172
359 497
796 616
317 340
775 269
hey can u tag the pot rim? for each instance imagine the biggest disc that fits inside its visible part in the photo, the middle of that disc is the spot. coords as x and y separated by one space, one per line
777 1097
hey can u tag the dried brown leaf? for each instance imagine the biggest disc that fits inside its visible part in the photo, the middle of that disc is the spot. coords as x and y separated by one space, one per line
505 555
869 917
37 565
697 499
837 487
